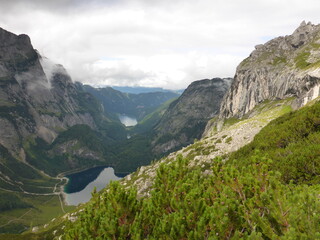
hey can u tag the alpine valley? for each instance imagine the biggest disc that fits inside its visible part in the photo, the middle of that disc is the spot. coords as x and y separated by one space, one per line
231 158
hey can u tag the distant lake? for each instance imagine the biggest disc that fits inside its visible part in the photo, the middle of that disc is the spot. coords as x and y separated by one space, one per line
80 185
127 121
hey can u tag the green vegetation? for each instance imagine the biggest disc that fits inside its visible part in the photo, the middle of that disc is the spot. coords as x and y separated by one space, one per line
301 60
230 121
249 203
279 60
133 152
37 210
228 140
292 139
12 168
11 201
124 156
150 120
259 193
53 161
138 105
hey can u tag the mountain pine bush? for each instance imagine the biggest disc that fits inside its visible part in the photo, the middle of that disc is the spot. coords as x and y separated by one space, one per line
231 203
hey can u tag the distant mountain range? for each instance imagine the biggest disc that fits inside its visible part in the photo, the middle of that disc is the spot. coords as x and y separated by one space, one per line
137 90
136 105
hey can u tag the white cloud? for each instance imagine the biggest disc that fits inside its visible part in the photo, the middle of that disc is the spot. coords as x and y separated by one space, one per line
152 43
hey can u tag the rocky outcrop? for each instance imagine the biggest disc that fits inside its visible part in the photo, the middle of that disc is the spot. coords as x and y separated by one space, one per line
283 67
186 117
37 97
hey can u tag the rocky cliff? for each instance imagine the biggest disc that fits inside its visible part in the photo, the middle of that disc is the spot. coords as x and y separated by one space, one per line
283 67
37 97
186 117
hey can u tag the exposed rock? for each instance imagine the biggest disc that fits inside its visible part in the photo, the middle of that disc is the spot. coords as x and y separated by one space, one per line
215 143
283 67
186 117
34 102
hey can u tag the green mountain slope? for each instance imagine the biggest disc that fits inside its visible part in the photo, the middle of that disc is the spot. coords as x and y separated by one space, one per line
151 120
292 142
134 105
244 197
269 189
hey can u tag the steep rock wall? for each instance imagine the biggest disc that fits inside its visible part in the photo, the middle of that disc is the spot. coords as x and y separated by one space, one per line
187 117
283 67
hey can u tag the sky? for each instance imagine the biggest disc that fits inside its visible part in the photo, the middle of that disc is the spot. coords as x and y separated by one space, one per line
152 43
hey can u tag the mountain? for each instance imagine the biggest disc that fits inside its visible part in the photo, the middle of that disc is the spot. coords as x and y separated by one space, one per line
254 174
170 126
39 107
137 90
248 196
134 105
37 97
283 67
40 111
187 117
237 181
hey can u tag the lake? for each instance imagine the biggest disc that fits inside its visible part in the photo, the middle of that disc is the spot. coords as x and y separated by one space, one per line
127 121
80 185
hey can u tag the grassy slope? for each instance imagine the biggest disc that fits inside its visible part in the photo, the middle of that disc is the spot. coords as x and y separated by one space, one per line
293 139
246 198
129 152
43 210
150 120
273 210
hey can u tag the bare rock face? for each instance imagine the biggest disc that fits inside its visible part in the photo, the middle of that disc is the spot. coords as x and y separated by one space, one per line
283 67
37 97
187 117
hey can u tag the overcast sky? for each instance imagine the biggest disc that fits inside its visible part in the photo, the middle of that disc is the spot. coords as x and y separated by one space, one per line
154 43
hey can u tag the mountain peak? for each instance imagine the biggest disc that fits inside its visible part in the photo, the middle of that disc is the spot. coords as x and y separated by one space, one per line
9 39
286 66
300 35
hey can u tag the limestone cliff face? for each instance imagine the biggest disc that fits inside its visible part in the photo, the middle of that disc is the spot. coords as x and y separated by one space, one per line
37 97
283 67
186 117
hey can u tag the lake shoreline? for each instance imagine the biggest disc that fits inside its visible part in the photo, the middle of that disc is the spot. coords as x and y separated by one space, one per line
82 181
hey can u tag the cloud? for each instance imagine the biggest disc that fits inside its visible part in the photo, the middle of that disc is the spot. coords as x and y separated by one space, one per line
149 42
50 69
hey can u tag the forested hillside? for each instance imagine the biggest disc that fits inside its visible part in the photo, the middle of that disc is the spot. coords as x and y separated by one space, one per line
250 194
135 105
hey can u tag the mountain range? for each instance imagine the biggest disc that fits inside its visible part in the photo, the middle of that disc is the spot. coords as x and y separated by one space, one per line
135 105
137 90
51 126
237 157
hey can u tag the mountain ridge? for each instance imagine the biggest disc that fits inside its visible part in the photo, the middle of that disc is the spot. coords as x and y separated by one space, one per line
186 117
283 67
134 105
